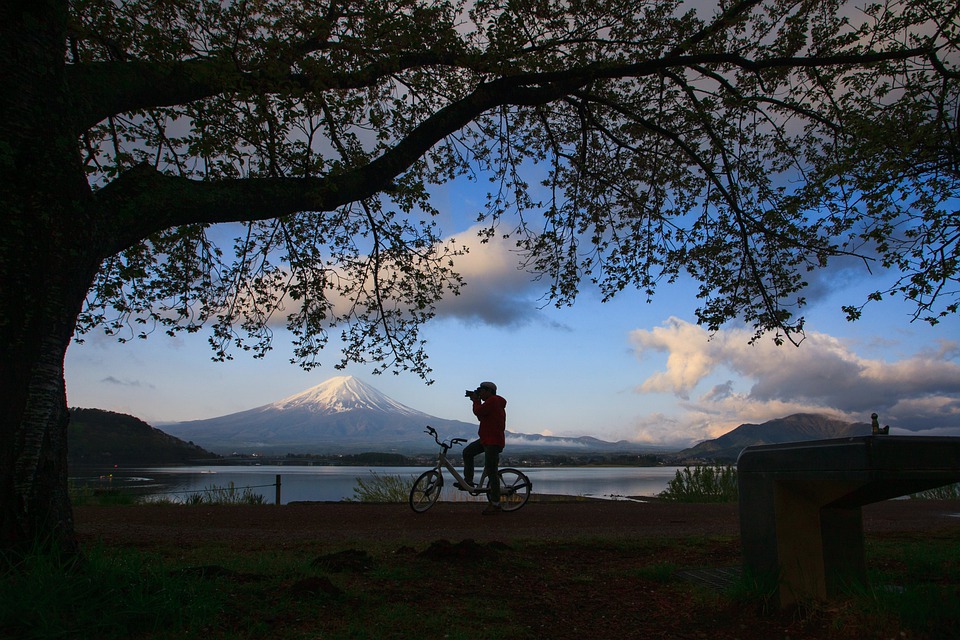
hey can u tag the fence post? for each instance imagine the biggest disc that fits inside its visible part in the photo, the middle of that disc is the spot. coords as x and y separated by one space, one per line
278 488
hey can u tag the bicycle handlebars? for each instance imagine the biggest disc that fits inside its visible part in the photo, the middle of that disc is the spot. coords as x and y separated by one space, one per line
433 432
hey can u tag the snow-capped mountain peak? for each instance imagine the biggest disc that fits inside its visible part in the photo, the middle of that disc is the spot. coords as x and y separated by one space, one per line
343 414
341 394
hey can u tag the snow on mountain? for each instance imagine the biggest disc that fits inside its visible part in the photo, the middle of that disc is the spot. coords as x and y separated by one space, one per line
340 394
342 415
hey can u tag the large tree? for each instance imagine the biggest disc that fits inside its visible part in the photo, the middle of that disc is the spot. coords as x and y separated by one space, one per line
181 164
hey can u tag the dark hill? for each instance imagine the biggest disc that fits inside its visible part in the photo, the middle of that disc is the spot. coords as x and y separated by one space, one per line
97 437
799 427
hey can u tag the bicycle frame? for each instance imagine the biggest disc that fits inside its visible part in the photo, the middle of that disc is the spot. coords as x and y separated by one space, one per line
515 487
444 463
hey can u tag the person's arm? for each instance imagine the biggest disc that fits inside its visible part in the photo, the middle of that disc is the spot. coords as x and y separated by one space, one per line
479 408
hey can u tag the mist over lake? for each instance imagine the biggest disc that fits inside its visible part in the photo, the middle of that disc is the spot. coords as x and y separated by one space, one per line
336 483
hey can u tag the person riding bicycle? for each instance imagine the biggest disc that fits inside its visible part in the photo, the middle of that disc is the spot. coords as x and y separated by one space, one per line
491 410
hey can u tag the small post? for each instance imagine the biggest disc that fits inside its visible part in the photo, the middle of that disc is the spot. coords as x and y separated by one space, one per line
278 489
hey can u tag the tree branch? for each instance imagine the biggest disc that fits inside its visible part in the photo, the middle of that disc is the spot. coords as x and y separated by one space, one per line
143 201
103 89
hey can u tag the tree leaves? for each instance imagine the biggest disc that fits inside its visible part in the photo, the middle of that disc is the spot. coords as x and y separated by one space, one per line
626 143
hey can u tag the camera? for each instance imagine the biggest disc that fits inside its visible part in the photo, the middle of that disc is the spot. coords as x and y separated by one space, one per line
471 394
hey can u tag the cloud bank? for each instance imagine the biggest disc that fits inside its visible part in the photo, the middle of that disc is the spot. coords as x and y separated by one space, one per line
722 381
498 291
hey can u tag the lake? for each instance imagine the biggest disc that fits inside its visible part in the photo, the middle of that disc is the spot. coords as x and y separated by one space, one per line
320 483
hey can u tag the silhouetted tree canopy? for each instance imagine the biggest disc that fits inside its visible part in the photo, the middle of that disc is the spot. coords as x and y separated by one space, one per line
186 164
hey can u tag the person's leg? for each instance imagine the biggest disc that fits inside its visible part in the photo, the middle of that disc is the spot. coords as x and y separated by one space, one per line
470 452
491 464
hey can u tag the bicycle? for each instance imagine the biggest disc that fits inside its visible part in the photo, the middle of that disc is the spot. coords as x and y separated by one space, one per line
515 487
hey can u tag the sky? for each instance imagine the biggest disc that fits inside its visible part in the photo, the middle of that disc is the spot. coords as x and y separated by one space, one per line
627 369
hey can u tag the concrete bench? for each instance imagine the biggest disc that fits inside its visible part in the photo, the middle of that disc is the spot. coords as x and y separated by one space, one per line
800 504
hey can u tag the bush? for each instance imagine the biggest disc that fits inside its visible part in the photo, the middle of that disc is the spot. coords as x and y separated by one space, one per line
702 484
382 489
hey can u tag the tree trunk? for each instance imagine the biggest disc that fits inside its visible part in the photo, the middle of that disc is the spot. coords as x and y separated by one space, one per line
33 492
47 261
46 266
40 308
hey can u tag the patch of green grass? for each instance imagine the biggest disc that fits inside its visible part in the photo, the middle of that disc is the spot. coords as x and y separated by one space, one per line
104 593
913 585
949 492
229 494
211 495
215 591
916 582
756 589
928 609
400 620
82 495
87 495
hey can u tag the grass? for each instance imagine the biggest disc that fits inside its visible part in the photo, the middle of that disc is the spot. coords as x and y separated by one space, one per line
948 492
211 495
82 495
106 593
917 583
230 494
524 590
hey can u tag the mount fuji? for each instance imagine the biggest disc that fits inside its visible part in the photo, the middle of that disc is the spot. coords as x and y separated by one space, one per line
345 415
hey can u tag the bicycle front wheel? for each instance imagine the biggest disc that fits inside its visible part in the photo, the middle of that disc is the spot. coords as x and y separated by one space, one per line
426 490
514 489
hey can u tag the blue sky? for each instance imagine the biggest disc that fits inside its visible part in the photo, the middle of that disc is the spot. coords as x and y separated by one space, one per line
625 369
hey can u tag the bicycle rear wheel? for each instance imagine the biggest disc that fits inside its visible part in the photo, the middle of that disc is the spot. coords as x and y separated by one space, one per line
514 489
426 490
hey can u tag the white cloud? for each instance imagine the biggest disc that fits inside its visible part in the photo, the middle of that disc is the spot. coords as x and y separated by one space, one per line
113 380
498 291
765 381
691 356
669 431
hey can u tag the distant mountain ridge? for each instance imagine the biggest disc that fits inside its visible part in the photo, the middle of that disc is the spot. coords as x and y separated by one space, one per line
798 427
346 415
98 437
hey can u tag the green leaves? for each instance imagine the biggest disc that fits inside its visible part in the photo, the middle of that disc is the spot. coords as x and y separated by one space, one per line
626 143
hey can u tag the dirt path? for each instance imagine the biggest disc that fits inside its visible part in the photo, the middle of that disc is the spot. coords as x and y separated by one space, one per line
333 522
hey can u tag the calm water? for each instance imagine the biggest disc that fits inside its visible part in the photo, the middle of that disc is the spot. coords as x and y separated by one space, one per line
337 483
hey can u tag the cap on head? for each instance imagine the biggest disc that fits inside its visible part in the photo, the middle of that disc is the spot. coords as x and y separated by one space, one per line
488 385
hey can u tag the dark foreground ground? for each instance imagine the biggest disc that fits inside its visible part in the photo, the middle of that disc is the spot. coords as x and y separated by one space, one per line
554 520
554 570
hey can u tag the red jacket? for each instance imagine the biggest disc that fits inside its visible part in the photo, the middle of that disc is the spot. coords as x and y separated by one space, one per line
493 419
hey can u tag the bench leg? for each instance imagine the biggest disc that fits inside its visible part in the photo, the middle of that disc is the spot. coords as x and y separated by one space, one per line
787 532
